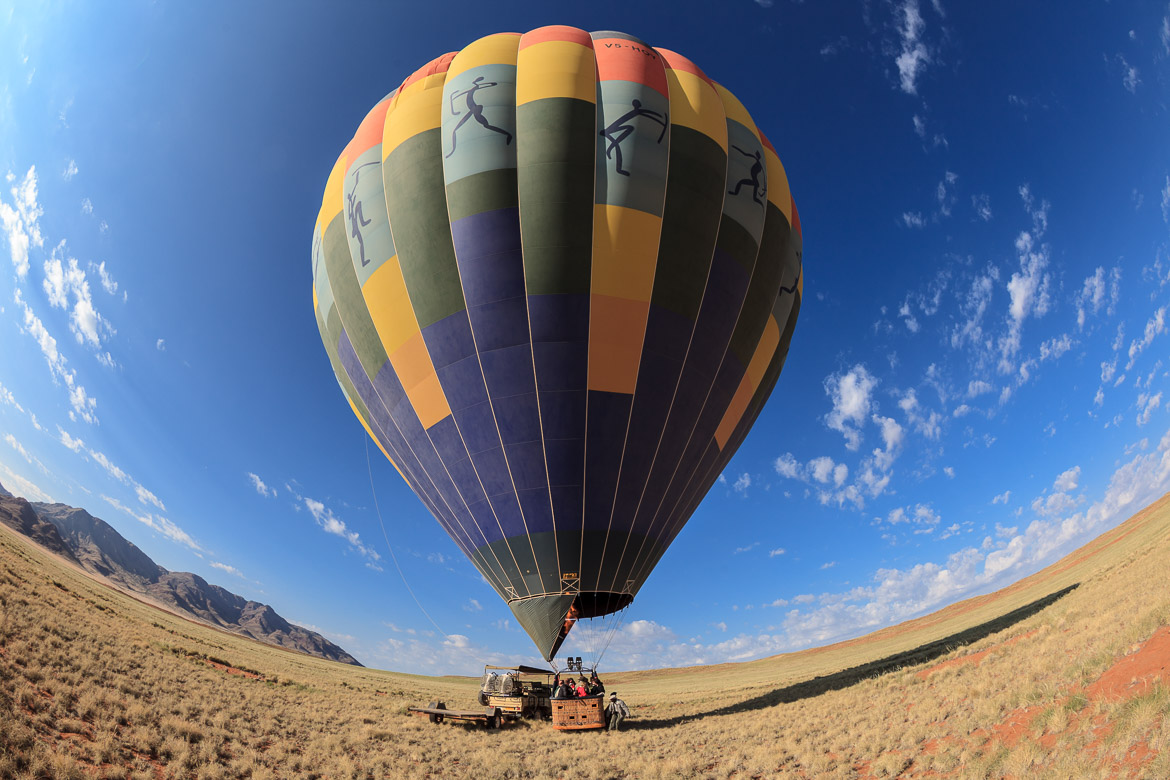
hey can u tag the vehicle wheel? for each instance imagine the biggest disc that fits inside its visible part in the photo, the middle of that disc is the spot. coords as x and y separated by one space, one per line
436 705
493 718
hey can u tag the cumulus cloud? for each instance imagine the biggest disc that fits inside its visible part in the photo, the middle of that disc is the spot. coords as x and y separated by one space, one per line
70 170
64 280
83 406
108 283
921 515
261 488
157 523
851 393
742 483
225 568
925 421
913 219
1028 288
1002 498
8 399
1147 404
69 441
913 55
86 206
21 220
1155 326
1097 293
982 206
332 524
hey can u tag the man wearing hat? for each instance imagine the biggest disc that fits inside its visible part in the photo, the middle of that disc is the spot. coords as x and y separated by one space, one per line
616 711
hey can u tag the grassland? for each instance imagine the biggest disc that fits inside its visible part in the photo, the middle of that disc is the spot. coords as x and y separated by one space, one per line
1064 674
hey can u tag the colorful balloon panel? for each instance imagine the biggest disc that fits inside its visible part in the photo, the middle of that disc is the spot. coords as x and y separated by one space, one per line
557 275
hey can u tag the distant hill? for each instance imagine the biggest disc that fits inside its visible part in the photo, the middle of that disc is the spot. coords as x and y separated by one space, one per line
94 545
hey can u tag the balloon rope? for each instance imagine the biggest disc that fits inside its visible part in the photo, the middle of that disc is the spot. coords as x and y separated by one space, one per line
393 557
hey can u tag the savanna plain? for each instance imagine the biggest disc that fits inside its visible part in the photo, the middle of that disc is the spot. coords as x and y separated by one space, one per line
1064 674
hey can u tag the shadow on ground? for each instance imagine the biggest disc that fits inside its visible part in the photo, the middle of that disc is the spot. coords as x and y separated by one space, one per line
857 674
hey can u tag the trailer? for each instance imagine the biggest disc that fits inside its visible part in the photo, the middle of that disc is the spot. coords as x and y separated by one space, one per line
490 717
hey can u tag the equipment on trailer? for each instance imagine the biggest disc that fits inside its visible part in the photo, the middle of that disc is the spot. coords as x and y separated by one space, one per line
522 691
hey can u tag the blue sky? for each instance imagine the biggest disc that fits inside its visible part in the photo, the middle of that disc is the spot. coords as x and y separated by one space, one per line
977 384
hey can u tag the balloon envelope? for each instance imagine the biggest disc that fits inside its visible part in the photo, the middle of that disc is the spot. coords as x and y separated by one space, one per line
557 275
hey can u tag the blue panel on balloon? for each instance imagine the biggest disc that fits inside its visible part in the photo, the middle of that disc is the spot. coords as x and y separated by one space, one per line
491 263
462 383
568 507
517 418
562 365
566 462
508 371
537 509
449 339
493 471
667 333
508 514
527 463
478 427
559 317
502 323
562 414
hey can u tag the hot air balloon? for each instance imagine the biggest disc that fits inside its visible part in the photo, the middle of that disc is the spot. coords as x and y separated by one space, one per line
557 275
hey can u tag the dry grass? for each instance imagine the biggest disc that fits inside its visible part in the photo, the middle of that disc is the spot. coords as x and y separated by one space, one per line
96 684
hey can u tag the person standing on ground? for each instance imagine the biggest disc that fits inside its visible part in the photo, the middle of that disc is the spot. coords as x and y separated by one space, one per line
616 712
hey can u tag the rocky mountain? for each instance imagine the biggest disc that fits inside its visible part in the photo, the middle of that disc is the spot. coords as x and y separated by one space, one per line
94 544
19 515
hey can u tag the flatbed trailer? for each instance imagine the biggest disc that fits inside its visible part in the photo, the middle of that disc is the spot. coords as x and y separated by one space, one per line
490 717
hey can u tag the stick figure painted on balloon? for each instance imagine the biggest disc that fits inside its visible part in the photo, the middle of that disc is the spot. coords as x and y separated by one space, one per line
621 129
474 111
753 177
357 220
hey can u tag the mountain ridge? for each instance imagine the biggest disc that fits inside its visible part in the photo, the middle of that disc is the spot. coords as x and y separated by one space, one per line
98 548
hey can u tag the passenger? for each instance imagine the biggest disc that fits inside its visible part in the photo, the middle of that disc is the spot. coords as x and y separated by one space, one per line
559 691
581 690
595 686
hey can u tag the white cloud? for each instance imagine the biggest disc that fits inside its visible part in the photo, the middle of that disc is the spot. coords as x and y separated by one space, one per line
1155 326
982 206
913 219
70 170
1029 287
69 441
851 394
21 220
108 283
20 486
146 497
7 398
1068 479
1129 78
29 457
1164 33
913 56
261 488
972 308
828 565
778 551
225 568
746 548
926 421
1147 405
1166 202
157 523
742 483
788 466
1055 347
332 524
945 193
473 605
918 515
64 279
161 345
86 206
1002 498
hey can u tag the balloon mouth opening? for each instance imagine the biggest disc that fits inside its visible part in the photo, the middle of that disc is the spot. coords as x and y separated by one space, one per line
590 604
